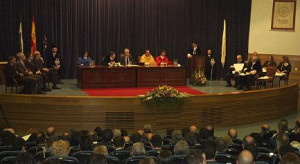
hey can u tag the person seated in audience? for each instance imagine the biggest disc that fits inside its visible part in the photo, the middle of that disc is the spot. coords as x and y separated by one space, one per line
204 133
210 66
51 73
264 128
116 132
110 60
270 62
164 157
119 143
36 71
253 69
54 60
156 142
13 77
284 150
211 132
285 67
282 128
136 137
50 132
245 157
126 58
60 148
84 60
147 160
25 158
232 133
248 140
193 129
107 138
9 139
282 140
181 148
290 158
184 131
162 59
258 139
233 73
101 149
138 149
147 58
190 139
124 132
176 136
86 143
97 159
196 156
295 133
222 145
169 132
209 148
24 71
253 149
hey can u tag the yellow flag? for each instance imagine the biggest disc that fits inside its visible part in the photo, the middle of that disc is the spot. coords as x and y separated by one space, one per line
224 45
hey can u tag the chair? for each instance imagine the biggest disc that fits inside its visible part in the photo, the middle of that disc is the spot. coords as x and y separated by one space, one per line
180 159
263 150
237 141
154 153
225 158
8 160
265 157
74 149
40 156
112 160
136 159
168 147
231 151
237 147
122 155
267 80
11 86
64 160
4 154
82 156
166 141
110 149
6 148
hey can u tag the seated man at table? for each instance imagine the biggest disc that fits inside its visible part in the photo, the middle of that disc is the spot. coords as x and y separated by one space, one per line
252 70
285 67
147 58
234 72
84 60
126 58
110 59
162 59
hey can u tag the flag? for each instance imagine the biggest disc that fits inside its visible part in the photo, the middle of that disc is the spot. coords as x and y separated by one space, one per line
33 36
21 37
224 45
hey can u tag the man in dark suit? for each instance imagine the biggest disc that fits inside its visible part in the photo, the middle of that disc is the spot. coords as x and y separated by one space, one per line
233 73
50 73
110 59
22 68
194 50
210 66
12 77
54 60
126 58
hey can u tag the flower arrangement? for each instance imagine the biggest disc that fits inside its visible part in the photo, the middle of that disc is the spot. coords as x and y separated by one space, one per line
165 97
198 78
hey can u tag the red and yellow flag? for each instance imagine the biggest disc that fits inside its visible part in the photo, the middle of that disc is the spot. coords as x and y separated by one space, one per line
33 36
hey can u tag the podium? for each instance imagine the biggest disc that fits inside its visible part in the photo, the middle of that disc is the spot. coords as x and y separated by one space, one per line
194 63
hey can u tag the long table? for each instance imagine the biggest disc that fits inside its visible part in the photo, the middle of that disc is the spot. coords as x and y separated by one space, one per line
118 77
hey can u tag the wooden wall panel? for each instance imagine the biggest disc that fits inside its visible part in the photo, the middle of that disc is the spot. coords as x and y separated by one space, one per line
84 112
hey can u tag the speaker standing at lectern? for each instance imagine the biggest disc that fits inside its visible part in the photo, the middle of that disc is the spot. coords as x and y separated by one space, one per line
194 50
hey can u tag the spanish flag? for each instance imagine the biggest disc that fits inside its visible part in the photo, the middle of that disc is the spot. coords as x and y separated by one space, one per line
33 36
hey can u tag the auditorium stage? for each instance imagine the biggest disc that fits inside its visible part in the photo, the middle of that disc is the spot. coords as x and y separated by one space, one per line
220 106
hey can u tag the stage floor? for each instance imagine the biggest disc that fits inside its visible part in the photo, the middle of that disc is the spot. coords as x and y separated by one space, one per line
69 88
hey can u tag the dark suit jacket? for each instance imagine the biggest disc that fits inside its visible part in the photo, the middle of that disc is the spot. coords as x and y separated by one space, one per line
31 66
51 59
39 64
122 59
21 68
198 51
107 60
257 66
10 74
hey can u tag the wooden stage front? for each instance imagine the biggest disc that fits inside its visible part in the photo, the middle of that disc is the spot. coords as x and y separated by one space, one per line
85 112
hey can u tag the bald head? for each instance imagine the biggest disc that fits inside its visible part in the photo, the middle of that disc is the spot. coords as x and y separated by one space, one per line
232 133
239 58
245 157
248 140
193 129
50 131
265 127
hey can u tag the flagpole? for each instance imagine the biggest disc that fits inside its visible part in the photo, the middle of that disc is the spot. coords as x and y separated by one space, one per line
223 57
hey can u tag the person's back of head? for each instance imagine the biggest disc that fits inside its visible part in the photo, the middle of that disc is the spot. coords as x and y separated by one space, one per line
185 131
204 133
281 140
190 139
169 131
245 157
98 159
99 132
282 126
147 160
176 135
101 149
85 143
211 130
297 123
156 141
248 140
136 137
181 148
193 129
60 148
265 128
107 135
195 157
147 129
19 144
164 156
138 149
232 133
257 137
290 158
253 149
209 148
286 149
50 131
8 138
222 144
40 138
116 132
25 158
119 142
124 132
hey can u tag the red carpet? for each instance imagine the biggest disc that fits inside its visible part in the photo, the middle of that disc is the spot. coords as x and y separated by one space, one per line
134 91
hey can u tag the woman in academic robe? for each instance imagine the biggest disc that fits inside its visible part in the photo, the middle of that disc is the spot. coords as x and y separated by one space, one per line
84 60
285 67
162 59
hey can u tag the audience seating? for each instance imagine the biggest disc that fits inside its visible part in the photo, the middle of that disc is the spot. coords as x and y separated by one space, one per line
112 160
8 160
154 153
82 156
136 159
6 148
231 151
268 80
122 155
237 147
237 141
168 147
179 159
263 150
64 160
4 154
41 156
264 157
225 158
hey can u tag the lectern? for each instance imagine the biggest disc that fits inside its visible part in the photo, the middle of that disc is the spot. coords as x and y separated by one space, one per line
196 62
